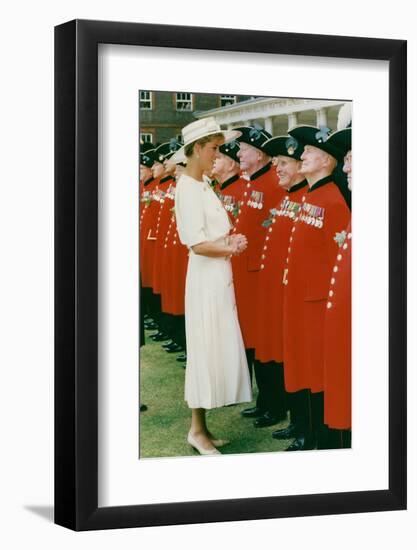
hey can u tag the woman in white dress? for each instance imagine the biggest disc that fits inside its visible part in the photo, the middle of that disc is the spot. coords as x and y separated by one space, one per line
217 372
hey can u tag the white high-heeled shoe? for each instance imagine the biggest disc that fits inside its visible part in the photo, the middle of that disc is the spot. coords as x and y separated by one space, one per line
220 442
199 449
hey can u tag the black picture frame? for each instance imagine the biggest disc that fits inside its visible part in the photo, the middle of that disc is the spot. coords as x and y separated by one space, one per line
76 273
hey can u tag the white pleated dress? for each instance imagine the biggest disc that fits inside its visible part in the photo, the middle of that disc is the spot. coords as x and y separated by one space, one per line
217 372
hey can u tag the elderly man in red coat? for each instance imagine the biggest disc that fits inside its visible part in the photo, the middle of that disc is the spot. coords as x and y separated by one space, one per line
261 193
307 275
232 185
286 153
338 333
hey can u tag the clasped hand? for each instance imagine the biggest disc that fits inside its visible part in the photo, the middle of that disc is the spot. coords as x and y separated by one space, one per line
238 242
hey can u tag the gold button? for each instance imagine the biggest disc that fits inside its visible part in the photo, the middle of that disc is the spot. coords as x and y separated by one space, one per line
237 219
293 229
165 245
303 199
263 256
245 193
345 246
175 242
267 238
329 305
349 235
332 281
262 266
289 249
265 248
248 185
339 257
331 293
274 220
287 260
335 269
270 229
290 239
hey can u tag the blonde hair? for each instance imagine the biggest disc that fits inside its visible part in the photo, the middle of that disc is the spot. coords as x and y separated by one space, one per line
189 149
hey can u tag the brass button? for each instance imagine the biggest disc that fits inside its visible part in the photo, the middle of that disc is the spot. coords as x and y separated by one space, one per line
329 305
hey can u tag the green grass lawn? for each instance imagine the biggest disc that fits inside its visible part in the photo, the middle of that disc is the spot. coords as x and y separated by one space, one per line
164 426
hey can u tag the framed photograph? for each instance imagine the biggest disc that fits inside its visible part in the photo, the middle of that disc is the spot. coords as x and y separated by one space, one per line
126 92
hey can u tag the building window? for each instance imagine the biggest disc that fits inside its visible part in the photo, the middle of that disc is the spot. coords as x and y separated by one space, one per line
184 101
145 100
226 100
146 138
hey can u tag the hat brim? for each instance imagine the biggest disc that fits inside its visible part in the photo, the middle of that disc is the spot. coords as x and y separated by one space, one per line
229 135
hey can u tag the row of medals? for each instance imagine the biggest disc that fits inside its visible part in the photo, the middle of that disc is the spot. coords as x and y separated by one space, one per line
314 215
229 202
288 209
159 195
256 200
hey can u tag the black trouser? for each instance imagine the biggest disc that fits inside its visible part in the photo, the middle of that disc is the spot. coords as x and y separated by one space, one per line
177 329
335 439
272 396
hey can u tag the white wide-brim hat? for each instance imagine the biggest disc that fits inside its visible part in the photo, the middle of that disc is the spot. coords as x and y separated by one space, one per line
198 130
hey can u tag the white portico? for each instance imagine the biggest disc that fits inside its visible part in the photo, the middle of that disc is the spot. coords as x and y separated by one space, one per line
277 115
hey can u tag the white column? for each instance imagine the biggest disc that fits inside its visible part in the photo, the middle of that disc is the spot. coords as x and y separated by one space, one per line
292 120
268 125
321 117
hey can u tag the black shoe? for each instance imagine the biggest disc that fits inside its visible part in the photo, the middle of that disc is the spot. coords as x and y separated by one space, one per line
174 349
302 443
287 433
150 326
168 344
159 337
268 419
181 358
171 346
253 412
143 408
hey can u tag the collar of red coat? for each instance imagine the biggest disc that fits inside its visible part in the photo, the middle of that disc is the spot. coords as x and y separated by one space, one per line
320 183
297 187
229 182
261 172
166 178
148 181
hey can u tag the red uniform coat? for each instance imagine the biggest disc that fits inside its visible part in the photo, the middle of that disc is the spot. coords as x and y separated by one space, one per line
307 274
147 226
174 267
231 193
337 340
262 193
167 185
268 322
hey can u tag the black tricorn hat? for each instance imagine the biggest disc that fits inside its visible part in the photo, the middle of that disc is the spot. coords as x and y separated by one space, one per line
147 146
317 137
230 149
253 135
148 158
286 146
342 139
166 150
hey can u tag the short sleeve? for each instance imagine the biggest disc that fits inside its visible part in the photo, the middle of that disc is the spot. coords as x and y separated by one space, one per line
189 212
